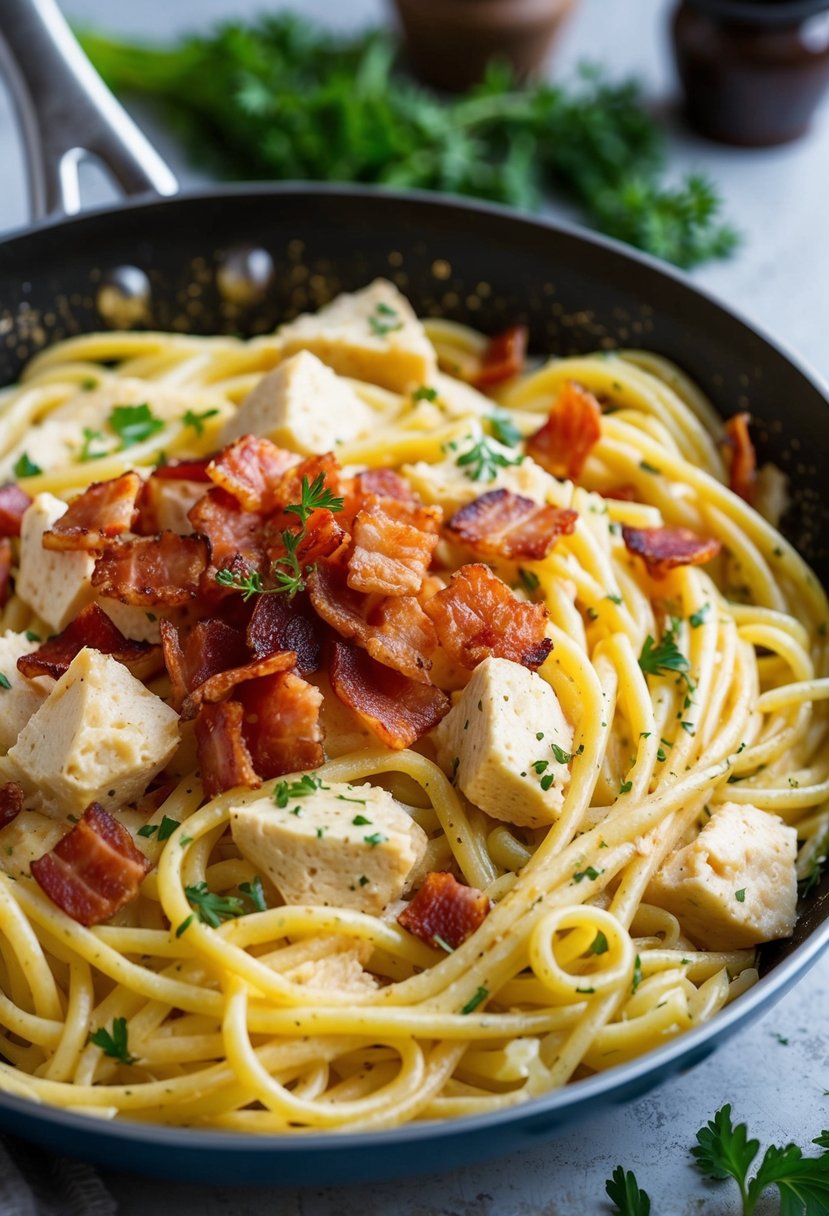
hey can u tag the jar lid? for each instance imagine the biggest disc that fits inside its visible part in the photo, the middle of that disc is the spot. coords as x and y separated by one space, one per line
761 12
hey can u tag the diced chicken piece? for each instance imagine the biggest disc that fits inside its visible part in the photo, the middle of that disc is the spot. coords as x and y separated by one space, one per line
56 584
172 500
735 885
27 837
504 742
371 335
337 845
301 405
22 697
100 736
50 445
340 971
136 623
452 485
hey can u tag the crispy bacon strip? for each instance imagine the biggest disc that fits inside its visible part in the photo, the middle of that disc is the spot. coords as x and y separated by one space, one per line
503 524
231 532
217 687
393 546
444 912
251 470
385 483
743 469
193 656
566 439
93 870
477 616
281 724
150 570
503 357
224 759
402 638
280 623
14 503
104 511
183 470
623 493
290 485
5 569
322 537
11 802
91 627
664 549
396 709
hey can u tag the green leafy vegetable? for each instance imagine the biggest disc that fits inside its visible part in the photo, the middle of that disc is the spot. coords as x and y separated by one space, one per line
285 791
425 393
197 421
88 452
623 1190
504 429
134 423
663 658
24 467
5 682
255 892
212 908
279 97
476 1000
116 1043
384 320
482 461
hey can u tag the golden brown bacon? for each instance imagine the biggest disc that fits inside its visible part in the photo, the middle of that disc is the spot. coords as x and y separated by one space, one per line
393 546
224 759
251 469
566 439
322 537
91 627
743 467
503 357
14 502
477 616
281 724
503 524
230 531
192 656
663 549
396 709
150 570
183 470
280 623
218 686
104 511
5 569
622 493
11 802
308 470
385 483
444 912
94 870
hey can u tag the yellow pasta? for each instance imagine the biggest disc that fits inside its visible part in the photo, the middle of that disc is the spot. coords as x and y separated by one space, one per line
279 1017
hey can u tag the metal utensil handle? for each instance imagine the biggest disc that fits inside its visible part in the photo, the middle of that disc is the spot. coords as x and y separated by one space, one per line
66 111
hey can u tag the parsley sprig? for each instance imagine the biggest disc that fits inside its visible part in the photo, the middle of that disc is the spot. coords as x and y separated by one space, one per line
623 1190
211 908
663 658
482 461
134 423
114 1043
285 791
197 421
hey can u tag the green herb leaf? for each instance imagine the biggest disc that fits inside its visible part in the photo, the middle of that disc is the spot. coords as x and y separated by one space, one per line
375 838
740 895
255 892
24 467
5 682
134 423
637 974
314 495
115 1043
599 944
504 429
529 579
213 909
384 320
623 1190
476 1000
482 461
664 658
591 872
700 616
286 791
197 421
560 754
425 393
91 436
168 826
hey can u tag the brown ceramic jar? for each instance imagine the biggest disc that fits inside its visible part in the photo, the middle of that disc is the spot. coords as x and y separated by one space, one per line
753 70
450 42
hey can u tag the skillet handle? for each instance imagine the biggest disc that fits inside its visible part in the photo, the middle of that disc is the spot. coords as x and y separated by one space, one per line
66 112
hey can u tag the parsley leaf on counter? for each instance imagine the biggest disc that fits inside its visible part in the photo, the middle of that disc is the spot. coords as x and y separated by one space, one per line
623 1190
280 97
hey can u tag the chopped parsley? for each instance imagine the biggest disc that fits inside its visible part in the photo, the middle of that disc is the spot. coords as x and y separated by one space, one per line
115 1043
547 781
560 754
476 1000
482 461
197 421
613 597
384 320
24 467
5 682
599 944
185 925
425 393
700 616
591 872
167 827
285 791
529 580
648 468
623 1190
134 423
255 892
663 658
148 830
740 895
504 429
375 838
360 821
31 636
637 973
625 787
91 437
213 909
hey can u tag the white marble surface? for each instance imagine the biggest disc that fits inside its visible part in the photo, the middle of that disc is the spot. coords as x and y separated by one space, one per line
780 278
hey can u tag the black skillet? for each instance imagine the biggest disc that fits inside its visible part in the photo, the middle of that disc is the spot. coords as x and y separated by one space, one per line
245 259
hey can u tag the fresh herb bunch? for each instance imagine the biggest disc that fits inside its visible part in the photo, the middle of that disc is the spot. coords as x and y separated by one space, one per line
279 97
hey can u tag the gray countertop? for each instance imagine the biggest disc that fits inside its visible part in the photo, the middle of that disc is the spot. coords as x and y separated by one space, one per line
776 1073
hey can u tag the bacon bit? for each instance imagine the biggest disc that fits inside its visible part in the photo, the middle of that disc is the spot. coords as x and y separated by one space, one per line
251 470
402 636
503 357
625 493
393 546
11 802
224 759
385 483
149 570
503 524
94 870
281 724
444 911
664 549
279 623
290 486
91 627
183 470
218 686
743 469
5 569
208 648
14 503
322 537
566 439
104 511
398 710
477 616
231 531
